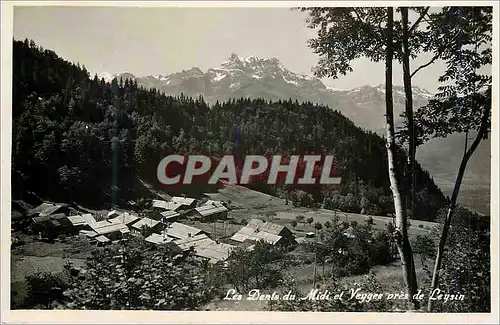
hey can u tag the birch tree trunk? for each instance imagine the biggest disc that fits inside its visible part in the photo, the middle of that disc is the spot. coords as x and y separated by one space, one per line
454 197
401 234
409 108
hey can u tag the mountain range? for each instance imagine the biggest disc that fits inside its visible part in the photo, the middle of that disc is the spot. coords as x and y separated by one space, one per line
267 78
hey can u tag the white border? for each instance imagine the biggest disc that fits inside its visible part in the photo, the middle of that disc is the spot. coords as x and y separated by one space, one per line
223 317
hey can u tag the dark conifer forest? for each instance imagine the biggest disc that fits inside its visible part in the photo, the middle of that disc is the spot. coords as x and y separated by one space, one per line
79 139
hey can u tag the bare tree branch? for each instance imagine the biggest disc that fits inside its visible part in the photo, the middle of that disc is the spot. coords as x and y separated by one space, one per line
434 58
422 15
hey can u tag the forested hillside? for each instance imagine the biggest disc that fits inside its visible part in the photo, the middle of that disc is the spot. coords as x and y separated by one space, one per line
78 138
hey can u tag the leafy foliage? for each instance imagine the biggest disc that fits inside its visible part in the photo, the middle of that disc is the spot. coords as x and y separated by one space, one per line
462 37
256 268
44 288
368 285
466 257
354 254
129 276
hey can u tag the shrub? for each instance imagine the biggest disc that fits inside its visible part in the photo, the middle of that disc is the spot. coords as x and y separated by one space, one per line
380 249
131 277
424 245
43 289
258 268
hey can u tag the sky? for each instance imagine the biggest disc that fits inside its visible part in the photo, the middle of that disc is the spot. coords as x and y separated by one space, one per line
147 41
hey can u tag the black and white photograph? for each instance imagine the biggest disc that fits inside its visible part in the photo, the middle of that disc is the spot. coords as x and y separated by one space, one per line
266 157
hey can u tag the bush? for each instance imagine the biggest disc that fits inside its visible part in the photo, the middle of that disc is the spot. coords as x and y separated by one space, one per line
368 284
424 245
467 255
131 277
258 268
380 249
43 289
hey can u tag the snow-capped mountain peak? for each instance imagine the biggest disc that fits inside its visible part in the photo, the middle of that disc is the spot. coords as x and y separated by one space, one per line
250 63
267 78
108 77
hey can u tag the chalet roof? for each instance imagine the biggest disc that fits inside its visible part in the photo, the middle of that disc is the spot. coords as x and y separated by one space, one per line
253 234
102 239
45 209
88 233
174 205
145 222
99 224
125 218
215 252
213 203
106 227
182 200
112 228
269 227
169 214
257 230
58 216
181 231
77 220
193 241
160 204
207 210
300 240
113 213
272 228
41 219
88 218
159 239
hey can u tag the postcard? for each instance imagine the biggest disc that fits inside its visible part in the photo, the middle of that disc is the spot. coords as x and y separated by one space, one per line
249 162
